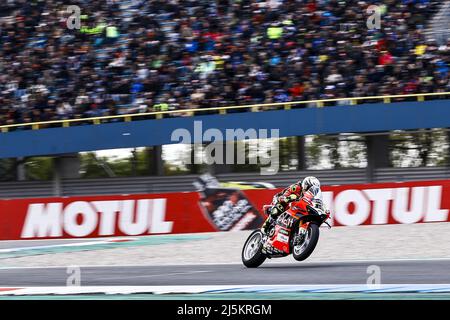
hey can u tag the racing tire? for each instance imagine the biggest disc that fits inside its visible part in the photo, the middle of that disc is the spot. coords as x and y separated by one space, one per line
252 255
309 244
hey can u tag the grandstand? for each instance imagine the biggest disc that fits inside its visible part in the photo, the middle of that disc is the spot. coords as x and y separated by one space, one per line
147 56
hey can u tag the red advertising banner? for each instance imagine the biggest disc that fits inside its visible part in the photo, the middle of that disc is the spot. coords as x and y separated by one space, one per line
216 209
96 216
381 203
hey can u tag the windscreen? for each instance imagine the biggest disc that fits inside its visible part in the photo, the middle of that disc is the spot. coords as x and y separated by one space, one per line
317 197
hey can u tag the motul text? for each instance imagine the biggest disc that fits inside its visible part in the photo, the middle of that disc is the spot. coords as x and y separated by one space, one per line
81 218
386 205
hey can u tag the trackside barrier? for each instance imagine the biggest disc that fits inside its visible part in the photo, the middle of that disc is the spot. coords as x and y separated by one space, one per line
224 110
224 210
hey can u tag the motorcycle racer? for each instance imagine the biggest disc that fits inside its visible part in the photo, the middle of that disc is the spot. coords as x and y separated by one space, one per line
282 199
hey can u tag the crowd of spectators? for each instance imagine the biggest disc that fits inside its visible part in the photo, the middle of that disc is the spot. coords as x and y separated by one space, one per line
150 55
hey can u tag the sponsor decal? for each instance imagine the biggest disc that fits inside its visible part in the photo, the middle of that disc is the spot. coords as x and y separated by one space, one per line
226 208
282 238
286 221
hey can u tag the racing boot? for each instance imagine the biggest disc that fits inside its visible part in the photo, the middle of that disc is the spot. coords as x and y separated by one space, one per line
274 212
267 224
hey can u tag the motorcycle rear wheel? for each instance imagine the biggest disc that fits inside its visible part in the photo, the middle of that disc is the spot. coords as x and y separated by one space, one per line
303 251
252 255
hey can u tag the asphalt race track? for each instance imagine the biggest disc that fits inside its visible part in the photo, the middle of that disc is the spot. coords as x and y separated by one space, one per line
392 272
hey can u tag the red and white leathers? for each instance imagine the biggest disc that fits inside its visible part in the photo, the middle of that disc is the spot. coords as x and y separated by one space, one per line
281 201
299 191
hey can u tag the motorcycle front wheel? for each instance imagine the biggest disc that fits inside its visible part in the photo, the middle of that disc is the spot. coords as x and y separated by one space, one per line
304 249
252 255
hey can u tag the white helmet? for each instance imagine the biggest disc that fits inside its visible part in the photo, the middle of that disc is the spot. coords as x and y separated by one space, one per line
309 182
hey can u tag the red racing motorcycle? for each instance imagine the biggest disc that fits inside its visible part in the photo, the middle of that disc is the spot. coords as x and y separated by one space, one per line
295 231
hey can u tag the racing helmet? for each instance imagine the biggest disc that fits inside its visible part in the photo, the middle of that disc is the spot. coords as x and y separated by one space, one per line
309 182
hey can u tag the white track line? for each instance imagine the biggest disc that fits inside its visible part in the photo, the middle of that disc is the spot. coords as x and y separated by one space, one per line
231 263
65 245
214 289
153 275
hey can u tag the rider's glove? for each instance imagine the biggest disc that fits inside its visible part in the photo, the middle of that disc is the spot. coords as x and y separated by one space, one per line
289 198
